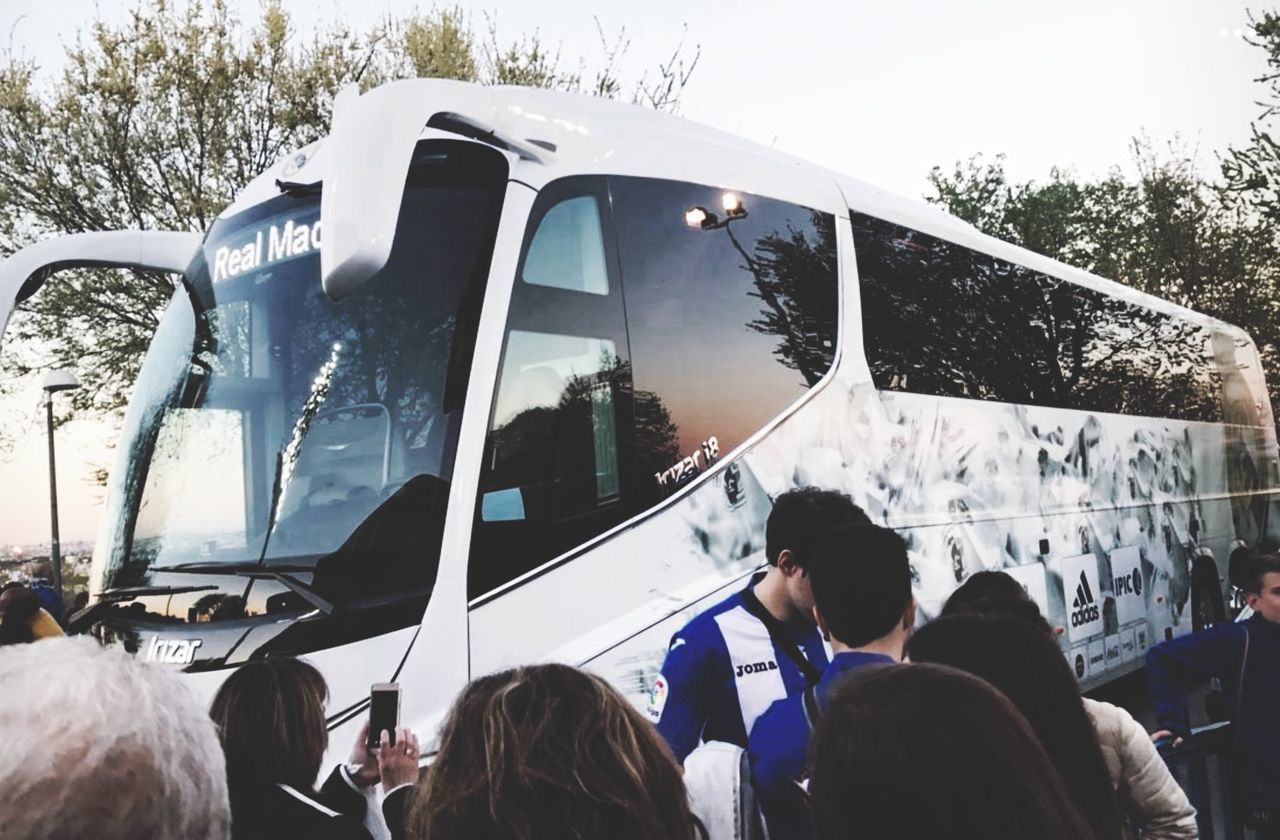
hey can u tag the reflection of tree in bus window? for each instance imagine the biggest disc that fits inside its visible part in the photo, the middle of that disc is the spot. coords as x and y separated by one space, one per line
728 325
946 320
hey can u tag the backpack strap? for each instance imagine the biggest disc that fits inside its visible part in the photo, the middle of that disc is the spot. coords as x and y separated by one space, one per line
780 636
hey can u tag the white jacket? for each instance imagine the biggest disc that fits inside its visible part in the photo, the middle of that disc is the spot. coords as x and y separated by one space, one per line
1148 793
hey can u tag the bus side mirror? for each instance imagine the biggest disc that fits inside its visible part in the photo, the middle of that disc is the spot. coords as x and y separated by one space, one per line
369 150
22 275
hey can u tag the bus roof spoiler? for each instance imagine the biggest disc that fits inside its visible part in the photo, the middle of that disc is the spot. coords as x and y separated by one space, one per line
369 150
24 272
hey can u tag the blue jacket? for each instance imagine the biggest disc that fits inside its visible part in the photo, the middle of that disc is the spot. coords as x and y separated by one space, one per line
49 598
1253 697
721 672
779 750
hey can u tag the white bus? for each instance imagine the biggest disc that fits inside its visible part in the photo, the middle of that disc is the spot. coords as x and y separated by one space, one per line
497 375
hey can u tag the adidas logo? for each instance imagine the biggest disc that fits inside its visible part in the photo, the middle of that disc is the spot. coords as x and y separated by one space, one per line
1084 595
1084 609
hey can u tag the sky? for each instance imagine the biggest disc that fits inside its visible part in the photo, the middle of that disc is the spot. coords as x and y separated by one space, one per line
881 91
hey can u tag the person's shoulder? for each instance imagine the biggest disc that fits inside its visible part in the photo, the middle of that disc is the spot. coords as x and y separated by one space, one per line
1259 623
304 802
704 622
1097 708
307 816
1112 723
44 626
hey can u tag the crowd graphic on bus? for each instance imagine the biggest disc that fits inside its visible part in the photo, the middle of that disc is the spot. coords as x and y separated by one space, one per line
849 718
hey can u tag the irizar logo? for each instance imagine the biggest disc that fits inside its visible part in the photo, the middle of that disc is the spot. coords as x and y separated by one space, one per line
1084 609
756 668
1130 584
172 651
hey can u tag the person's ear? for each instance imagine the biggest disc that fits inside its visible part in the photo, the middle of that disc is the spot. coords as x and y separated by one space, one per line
1251 599
787 563
822 625
909 615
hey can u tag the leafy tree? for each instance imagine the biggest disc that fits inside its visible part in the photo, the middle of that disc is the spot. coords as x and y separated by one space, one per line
1253 172
157 123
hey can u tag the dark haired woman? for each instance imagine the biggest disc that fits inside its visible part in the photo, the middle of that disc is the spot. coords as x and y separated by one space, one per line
1036 678
270 718
994 591
548 752
1099 749
925 751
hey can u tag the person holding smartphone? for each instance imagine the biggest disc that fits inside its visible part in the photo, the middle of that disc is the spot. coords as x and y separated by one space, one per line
271 721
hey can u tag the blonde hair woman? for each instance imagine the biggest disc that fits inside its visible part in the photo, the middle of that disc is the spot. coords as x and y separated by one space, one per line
548 751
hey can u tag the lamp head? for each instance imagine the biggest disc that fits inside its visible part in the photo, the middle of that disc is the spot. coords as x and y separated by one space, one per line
699 217
60 380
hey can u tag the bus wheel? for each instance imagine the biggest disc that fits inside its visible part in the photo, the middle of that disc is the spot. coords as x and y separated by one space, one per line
1207 607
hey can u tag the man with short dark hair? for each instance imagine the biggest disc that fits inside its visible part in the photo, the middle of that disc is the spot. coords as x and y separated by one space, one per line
758 645
1245 656
864 606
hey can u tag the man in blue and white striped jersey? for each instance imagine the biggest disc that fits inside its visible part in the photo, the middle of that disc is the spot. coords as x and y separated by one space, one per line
727 665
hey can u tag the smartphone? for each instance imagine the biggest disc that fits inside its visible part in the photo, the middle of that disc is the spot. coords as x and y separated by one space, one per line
384 711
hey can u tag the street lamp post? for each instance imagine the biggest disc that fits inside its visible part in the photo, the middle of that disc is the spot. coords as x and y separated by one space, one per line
54 381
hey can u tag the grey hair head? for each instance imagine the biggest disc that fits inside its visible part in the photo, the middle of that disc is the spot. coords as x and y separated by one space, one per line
99 744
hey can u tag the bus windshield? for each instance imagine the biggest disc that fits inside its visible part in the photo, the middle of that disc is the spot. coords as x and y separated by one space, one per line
272 428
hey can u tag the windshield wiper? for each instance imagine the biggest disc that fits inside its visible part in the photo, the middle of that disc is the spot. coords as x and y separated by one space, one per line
292 449
128 593
295 586
273 511
257 571
280 574
81 619
208 567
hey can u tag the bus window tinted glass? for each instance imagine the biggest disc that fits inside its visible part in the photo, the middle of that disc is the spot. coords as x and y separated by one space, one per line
946 320
554 449
555 470
732 316
567 252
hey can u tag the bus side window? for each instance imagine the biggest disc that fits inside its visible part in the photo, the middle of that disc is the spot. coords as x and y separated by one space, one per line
567 252
732 310
949 321
553 474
